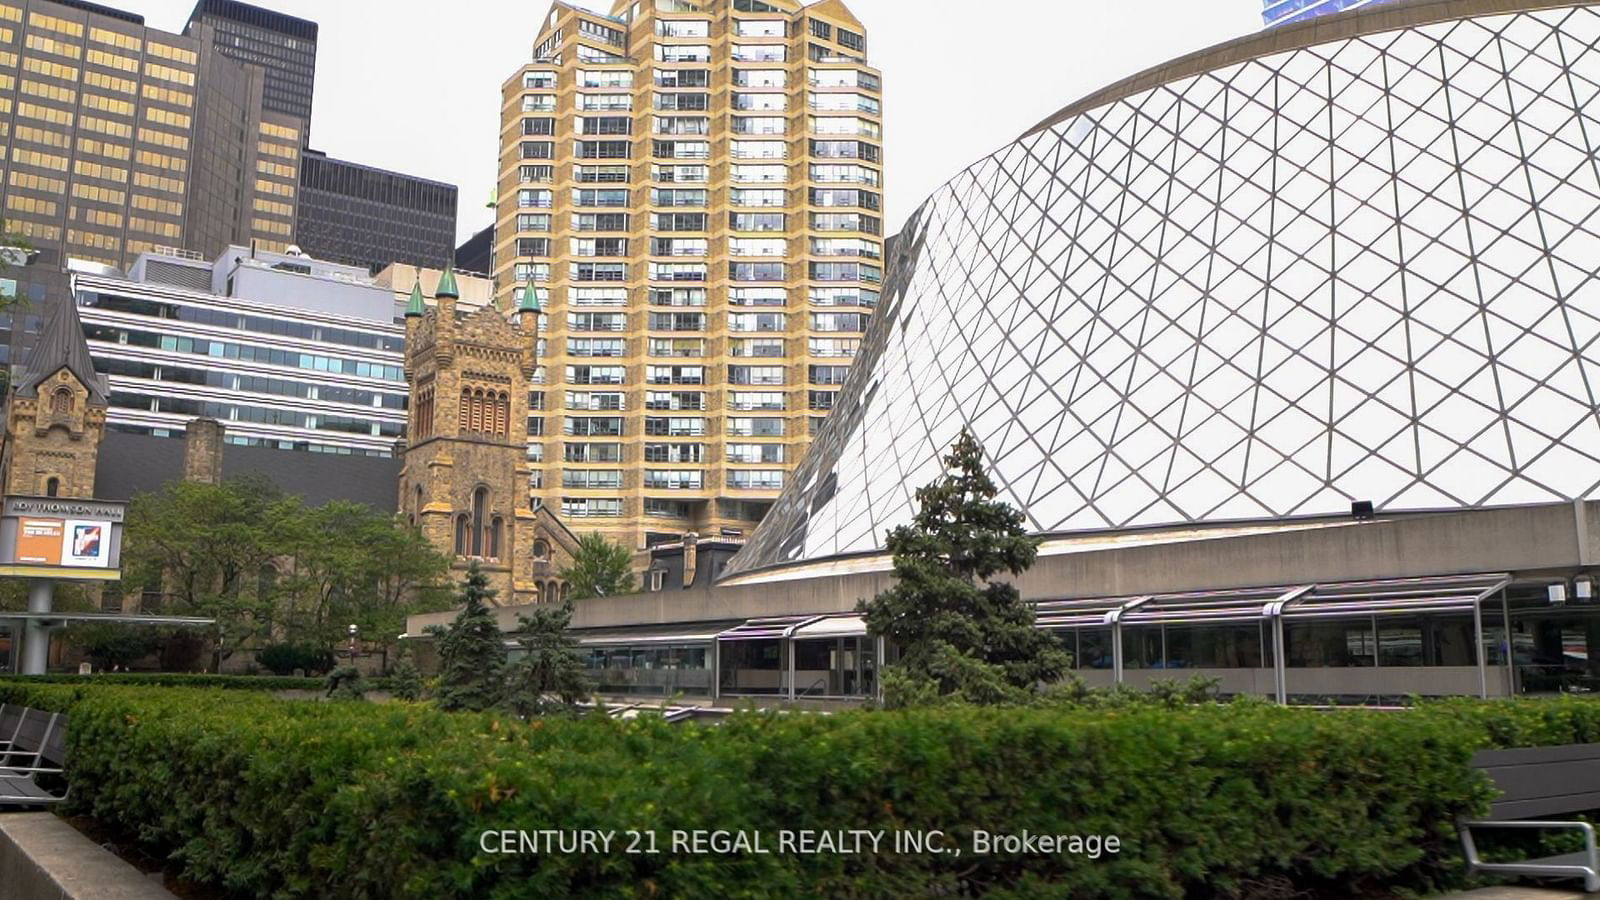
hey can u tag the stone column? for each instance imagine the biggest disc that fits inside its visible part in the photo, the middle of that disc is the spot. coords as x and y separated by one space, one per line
36 647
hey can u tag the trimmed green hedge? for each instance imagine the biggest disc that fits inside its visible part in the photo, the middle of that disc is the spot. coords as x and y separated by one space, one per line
180 679
272 799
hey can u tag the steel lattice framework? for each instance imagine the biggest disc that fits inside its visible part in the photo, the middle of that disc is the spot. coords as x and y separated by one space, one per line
1360 270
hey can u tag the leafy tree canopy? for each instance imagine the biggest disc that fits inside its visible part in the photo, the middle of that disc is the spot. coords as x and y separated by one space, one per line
599 568
962 636
267 567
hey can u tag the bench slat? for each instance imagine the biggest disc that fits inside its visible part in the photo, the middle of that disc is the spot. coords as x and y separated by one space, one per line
1567 804
1535 782
17 786
1516 756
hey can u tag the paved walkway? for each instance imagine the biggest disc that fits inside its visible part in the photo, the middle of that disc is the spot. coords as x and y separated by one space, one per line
1521 893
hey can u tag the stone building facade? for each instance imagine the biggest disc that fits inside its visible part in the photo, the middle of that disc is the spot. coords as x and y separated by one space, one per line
466 473
56 416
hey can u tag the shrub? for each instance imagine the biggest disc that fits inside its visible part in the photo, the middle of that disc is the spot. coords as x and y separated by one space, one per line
264 798
346 683
283 659
175 679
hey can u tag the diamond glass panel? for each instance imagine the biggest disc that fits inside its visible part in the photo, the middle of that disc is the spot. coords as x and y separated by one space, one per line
1360 270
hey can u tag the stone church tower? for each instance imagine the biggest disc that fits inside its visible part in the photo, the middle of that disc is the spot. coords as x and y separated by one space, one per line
56 414
466 473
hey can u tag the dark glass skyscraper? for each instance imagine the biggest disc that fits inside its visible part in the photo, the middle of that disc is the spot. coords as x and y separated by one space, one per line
1282 12
285 46
360 215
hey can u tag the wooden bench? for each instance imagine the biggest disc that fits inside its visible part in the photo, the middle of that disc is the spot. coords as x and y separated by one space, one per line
34 751
1536 783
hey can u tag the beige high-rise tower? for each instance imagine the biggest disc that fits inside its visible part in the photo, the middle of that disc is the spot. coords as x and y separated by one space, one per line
695 188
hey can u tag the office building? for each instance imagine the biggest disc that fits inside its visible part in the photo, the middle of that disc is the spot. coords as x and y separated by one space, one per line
1285 350
330 208
286 351
364 216
695 190
285 47
473 290
119 137
1285 12
476 254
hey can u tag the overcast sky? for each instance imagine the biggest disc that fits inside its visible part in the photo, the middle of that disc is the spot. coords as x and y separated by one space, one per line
414 85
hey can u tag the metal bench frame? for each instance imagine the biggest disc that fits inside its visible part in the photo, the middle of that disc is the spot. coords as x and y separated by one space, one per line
19 785
1537 781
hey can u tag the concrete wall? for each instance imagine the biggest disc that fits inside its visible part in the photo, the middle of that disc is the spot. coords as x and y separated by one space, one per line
1522 540
44 858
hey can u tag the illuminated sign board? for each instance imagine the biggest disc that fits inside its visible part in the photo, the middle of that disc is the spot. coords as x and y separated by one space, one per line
56 537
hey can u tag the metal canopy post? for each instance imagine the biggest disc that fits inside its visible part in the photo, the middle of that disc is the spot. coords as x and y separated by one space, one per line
716 668
1477 637
1280 662
877 667
1509 651
1114 619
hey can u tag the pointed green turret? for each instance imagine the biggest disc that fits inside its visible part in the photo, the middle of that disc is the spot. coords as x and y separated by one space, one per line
447 285
415 308
530 300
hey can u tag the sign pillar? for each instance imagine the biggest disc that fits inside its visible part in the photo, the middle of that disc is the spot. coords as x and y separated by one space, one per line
36 647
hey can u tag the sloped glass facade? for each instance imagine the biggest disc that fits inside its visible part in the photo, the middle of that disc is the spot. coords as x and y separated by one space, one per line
1363 269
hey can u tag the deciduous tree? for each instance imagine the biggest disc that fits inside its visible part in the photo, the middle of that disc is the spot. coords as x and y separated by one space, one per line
599 568
205 547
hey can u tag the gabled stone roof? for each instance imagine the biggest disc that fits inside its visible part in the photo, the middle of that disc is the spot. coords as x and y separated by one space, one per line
61 344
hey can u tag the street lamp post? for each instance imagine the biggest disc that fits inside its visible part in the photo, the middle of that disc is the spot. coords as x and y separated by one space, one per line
353 631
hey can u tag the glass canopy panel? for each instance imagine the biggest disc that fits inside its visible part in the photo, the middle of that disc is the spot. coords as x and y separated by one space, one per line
1078 613
1202 607
763 629
696 631
1395 596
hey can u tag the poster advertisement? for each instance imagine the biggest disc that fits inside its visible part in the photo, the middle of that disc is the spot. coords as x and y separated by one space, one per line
39 541
79 543
86 543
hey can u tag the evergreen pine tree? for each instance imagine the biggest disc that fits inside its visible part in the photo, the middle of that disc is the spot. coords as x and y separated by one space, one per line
406 679
471 654
549 677
961 635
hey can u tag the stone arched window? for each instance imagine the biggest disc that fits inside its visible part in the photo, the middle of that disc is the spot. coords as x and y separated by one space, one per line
464 412
566 591
52 487
541 549
496 534
480 520
502 415
61 402
461 536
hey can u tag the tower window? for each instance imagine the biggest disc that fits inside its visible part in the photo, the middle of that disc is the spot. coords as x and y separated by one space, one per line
61 402
480 504
52 487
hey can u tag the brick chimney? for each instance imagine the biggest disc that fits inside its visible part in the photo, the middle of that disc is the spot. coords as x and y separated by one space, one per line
202 451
